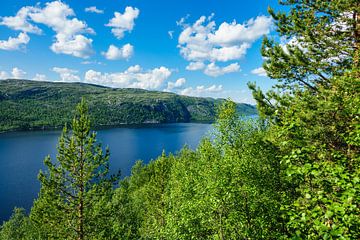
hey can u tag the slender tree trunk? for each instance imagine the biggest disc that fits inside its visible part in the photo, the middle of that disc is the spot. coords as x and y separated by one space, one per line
221 228
356 29
81 216
81 196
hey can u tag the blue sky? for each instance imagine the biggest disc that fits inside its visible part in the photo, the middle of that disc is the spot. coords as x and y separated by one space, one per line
200 48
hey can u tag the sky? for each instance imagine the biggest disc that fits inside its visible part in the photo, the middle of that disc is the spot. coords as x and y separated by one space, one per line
207 48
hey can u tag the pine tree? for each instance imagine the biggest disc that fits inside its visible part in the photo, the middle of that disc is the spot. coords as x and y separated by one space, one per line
314 115
76 189
319 40
19 227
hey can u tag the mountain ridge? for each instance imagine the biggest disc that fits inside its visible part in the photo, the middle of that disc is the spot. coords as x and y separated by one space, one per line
28 104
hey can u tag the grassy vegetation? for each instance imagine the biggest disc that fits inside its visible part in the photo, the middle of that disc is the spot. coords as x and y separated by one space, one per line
28 104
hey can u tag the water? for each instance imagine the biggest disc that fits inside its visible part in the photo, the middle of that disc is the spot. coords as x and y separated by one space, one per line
22 155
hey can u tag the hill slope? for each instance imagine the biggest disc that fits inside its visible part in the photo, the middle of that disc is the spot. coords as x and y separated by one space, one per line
28 104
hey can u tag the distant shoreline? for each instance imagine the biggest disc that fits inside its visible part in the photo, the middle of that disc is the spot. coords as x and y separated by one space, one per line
101 127
121 125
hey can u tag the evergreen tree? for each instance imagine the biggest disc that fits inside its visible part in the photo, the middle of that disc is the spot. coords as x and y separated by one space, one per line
314 113
320 40
75 190
19 227
319 141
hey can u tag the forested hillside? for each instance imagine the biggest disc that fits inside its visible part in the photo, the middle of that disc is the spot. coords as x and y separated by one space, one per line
28 104
293 174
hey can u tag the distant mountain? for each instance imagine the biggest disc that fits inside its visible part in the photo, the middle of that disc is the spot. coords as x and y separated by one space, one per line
26 104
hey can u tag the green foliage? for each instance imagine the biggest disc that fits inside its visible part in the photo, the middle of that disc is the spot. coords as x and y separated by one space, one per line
319 141
140 202
227 189
313 114
18 227
295 174
320 40
320 37
76 189
28 104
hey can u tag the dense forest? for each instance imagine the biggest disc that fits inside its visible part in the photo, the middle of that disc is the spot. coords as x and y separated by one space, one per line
292 174
28 105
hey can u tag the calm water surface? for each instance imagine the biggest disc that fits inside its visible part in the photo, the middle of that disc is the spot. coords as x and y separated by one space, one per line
22 155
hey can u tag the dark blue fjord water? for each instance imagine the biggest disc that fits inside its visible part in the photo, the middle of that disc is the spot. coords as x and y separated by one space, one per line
22 155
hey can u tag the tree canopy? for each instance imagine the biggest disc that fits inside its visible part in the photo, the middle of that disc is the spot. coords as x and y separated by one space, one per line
294 173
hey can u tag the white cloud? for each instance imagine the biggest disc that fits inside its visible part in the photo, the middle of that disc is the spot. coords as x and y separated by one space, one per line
92 62
20 21
171 34
4 75
237 95
39 77
233 33
15 43
66 74
122 23
78 46
134 69
214 71
133 77
69 30
175 85
115 53
225 54
194 66
259 71
182 21
202 42
202 91
285 44
94 9
17 73
69 38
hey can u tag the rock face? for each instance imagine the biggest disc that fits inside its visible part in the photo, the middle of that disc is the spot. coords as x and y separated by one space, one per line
26 104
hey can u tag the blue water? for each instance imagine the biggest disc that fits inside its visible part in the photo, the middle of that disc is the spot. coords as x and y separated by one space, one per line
22 155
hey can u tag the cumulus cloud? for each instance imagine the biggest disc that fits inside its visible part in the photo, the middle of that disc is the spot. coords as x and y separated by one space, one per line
202 41
259 71
17 73
94 9
123 22
133 77
21 22
115 53
225 54
214 71
4 75
69 38
69 30
66 74
194 66
16 43
202 91
175 85
39 77
253 29
134 69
